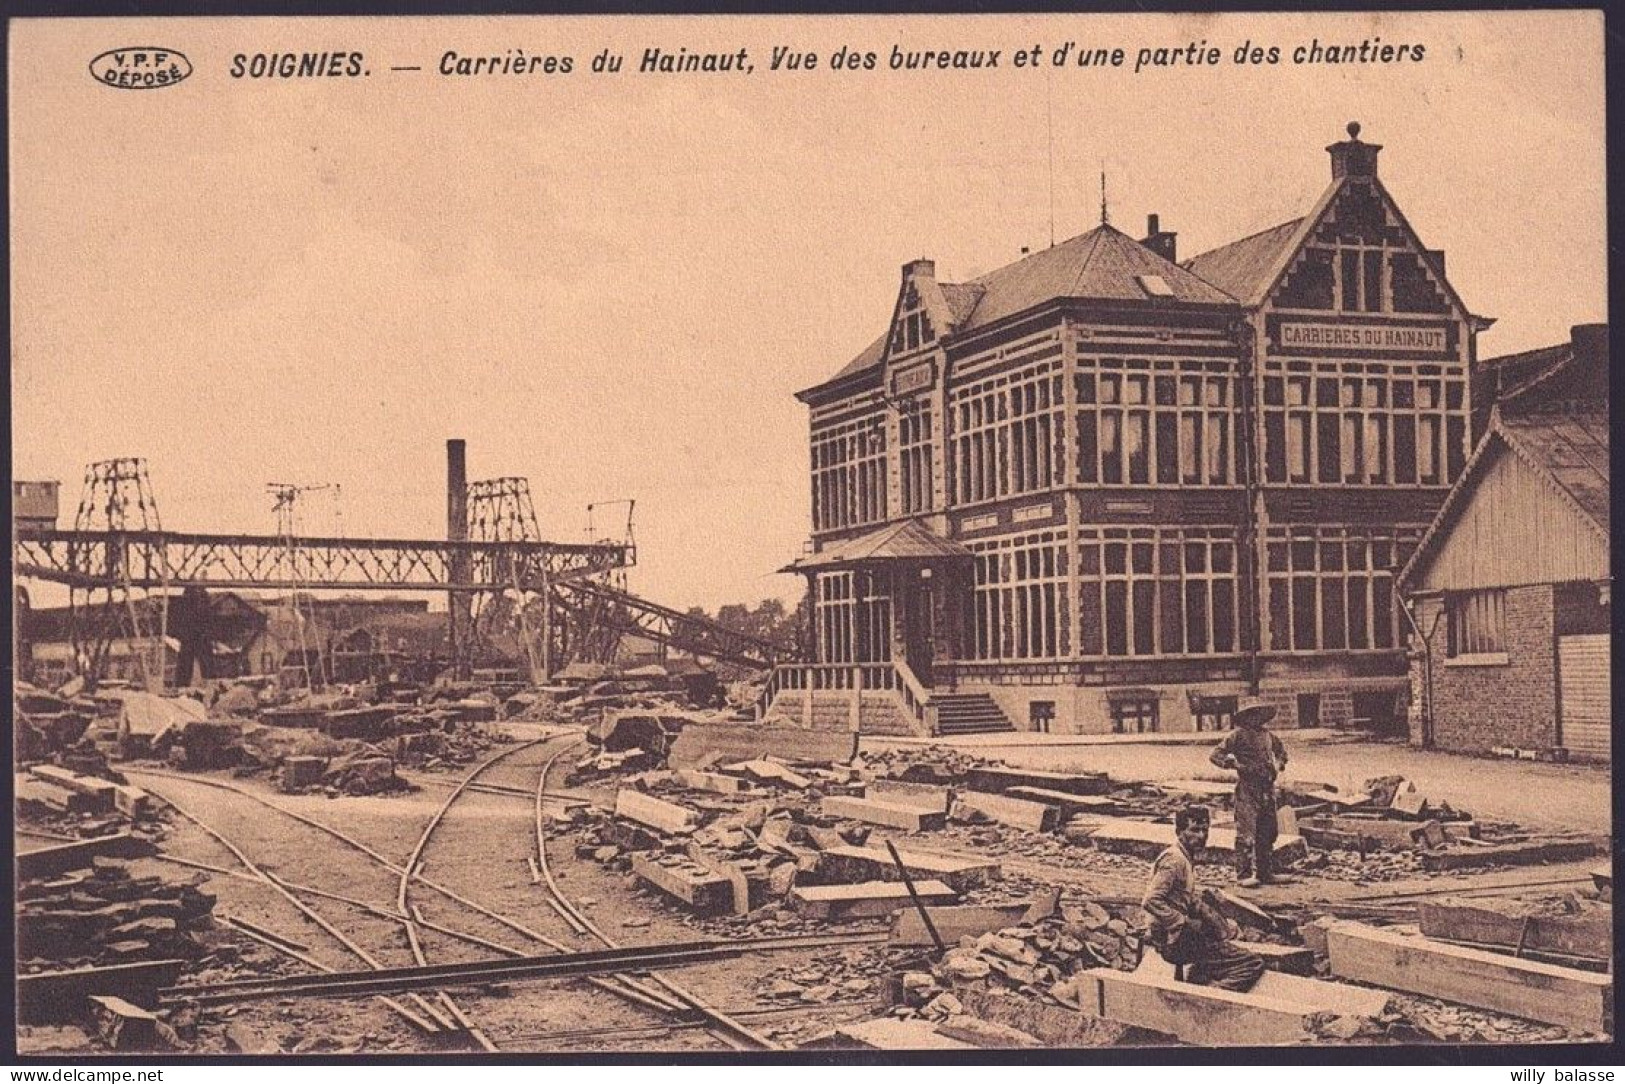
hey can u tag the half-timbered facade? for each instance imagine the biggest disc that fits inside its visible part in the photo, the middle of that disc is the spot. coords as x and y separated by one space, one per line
1100 489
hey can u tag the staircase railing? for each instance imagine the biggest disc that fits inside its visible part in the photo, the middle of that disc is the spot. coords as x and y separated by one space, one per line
809 678
915 696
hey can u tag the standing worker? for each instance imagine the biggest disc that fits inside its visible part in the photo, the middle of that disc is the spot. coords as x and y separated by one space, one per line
1257 757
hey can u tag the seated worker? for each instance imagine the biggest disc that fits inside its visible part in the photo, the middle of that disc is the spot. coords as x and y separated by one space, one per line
1257 756
1187 929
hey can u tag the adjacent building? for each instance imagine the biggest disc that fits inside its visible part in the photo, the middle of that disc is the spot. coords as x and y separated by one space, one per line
1509 594
1107 489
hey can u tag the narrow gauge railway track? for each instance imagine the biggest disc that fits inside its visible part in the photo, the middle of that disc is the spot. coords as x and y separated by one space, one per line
553 966
725 1027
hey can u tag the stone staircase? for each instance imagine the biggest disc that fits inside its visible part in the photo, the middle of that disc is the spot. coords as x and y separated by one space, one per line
969 713
878 712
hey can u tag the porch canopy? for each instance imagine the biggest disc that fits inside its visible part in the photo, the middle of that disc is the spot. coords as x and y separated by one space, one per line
909 540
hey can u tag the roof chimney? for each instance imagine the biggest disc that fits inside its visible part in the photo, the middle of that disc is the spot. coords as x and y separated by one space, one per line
1158 240
1590 342
1351 158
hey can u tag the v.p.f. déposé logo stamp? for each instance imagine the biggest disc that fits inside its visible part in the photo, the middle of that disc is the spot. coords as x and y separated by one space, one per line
140 67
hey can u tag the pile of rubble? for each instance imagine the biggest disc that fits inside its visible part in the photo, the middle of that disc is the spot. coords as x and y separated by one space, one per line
103 915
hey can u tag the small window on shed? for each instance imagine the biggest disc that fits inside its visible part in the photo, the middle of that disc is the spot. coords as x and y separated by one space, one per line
1156 286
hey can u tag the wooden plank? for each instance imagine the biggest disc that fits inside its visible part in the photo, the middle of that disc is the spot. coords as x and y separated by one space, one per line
852 864
998 780
1532 853
1590 935
733 742
48 997
1580 1000
869 899
926 796
654 812
52 861
703 891
890 816
952 923
1032 816
694 779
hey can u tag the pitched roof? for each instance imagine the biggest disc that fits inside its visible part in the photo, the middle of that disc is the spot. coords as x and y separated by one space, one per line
1104 264
1246 269
908 540
1569 449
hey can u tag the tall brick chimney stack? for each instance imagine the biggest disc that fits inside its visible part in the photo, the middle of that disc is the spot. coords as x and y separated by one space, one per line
1351 158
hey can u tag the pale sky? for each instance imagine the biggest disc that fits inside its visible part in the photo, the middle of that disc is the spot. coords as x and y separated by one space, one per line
614 284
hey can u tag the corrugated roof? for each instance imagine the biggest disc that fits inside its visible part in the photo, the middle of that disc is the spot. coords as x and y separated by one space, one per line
1572 450
908 540
1245 269
1569 449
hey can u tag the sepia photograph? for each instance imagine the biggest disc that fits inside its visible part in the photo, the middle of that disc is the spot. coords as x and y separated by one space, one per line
844 536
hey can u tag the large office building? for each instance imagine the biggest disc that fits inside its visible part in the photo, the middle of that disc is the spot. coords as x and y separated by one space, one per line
1107 489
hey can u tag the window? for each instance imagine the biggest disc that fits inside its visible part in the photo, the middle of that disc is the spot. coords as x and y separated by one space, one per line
1166 427
1007 434
914 443
1214 712
1331 588
851 623
848 473
1134 715
1147 592
1041 714
1477 623
1370 423
1020 598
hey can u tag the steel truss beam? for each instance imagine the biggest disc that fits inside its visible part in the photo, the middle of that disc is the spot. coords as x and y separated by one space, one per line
169 560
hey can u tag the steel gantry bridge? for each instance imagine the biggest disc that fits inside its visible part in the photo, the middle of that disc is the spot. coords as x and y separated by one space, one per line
164 560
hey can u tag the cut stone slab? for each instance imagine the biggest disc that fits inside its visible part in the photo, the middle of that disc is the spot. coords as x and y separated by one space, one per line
999 780
769 772
737 881
121 1025
1147 840
1532 853
727 742
133 802
932 799
709 781
52 861
58 997
1275 1012
1069 804
1287 959
886 1033
1589 934
952 923
301 772
37 792
1032 816
1351 833
869 899
853 864
1580 1000
100 789
656 813
905 818
1201 788
703 891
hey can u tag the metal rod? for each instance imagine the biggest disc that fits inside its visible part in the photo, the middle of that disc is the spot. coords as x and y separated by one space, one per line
919 904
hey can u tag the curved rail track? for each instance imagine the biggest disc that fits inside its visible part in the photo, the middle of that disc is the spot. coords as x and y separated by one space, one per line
646 991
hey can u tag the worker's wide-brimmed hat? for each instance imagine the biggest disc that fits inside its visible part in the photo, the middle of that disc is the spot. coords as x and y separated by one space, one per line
1254 707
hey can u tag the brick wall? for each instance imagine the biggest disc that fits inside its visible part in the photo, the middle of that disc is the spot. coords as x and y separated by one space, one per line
1476 708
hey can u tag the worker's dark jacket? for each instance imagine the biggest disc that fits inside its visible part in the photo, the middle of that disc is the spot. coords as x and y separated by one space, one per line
1181 924
1253 752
